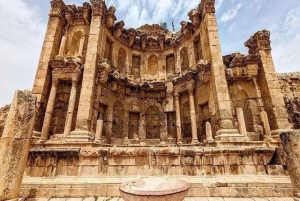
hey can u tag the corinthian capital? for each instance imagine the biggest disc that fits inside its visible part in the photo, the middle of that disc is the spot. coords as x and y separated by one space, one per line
259 41
207 6
57 6
98 7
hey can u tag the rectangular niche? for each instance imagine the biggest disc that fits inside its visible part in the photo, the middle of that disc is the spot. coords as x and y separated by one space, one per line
170 63
136 64
60 107
102 114
108 49
172 125
134 119
198 48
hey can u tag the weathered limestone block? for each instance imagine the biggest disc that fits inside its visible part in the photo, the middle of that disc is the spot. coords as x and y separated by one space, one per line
291 144
15 143
3 116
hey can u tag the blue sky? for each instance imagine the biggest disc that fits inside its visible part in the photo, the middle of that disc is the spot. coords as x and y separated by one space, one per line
23 25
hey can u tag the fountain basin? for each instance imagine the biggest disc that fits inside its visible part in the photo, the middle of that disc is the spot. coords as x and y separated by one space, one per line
154 189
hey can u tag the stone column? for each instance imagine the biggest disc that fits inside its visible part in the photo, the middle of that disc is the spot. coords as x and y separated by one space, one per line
99 130
15 144
86 100
258 94
193 116
62 46
241 122
291 143
71 107
125 127
266 125
178 120
49 110
81 44
260 44
209 136
142 126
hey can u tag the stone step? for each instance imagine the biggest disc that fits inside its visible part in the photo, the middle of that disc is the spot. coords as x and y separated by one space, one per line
201 186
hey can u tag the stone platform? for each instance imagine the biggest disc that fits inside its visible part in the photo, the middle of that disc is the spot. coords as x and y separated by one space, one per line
201 186
186 199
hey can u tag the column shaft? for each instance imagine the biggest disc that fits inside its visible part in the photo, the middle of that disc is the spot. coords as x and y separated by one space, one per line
178 120
71 107
81 44
193 117
99 130
49 110
62 46
241 121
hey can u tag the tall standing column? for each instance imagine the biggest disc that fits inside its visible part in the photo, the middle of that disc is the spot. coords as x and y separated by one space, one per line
71 107
211 51
99 130
193 116
241 122
86 100
62 46
178 120
15 144
49 110
81 44
125 127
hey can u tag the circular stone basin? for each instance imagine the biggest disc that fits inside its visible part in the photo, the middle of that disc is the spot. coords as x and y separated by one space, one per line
154 189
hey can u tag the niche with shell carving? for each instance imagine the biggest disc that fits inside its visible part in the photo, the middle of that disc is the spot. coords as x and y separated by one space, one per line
75 43
152 65
184 59
121 59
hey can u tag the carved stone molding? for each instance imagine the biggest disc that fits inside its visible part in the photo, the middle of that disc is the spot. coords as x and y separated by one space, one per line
194 16
259 41
118 28
110 17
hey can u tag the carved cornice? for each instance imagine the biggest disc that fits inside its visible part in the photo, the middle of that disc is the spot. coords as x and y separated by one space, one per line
110 17
259 41
194 16
118 28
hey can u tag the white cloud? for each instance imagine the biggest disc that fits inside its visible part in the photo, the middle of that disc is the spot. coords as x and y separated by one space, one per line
219 4
286 42
20 45
231 13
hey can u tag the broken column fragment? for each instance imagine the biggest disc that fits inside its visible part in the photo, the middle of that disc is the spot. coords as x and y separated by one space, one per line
291 143
15 144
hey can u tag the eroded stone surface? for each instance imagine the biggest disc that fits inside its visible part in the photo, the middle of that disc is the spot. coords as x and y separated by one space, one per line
15 143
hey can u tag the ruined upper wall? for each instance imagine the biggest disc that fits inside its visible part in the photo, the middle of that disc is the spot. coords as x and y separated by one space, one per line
290 87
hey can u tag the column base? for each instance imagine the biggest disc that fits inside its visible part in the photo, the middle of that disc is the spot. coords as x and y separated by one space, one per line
14 199
80 136
230 135
195 142
126 141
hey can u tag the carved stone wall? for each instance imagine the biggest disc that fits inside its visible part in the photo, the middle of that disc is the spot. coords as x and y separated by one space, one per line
290 87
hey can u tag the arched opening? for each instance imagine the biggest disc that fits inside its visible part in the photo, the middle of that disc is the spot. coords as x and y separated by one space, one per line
153 123
184 58
117 124
186 120
75 43
152 65
122 59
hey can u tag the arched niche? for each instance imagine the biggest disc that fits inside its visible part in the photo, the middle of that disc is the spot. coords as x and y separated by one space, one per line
75 43
121 59
117 124
153 123
184 59
152 65
186 120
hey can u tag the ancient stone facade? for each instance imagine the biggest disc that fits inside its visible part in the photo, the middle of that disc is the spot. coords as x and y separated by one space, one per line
113 101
